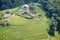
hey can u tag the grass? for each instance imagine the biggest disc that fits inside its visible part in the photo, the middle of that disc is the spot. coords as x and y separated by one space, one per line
26 29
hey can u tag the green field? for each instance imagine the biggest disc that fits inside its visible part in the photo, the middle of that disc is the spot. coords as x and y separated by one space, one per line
26 29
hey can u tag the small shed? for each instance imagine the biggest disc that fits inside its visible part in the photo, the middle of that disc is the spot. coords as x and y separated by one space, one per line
7 15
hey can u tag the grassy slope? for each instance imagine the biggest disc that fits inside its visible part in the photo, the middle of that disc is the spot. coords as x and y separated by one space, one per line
25 29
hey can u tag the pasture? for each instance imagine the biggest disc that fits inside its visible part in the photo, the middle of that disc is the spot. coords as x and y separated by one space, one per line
22 28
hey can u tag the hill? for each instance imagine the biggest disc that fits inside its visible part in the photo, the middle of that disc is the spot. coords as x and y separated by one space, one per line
26 29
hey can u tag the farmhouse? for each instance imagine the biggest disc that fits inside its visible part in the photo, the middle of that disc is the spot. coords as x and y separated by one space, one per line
25 9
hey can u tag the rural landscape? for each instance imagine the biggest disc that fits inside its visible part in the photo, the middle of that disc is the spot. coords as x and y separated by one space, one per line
30 20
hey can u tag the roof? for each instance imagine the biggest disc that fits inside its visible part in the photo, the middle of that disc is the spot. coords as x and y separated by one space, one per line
26 5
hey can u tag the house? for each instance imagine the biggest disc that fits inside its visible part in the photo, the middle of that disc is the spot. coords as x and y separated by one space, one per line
7 15
25 9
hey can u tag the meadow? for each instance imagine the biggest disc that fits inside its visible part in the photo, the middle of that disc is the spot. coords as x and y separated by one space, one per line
22 28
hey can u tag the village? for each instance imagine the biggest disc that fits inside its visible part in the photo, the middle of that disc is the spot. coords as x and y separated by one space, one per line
25 9
30 20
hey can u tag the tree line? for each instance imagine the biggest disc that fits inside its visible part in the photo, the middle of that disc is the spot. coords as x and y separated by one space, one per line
52 9
5 4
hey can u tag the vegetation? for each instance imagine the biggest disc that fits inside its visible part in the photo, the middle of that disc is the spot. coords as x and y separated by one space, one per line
52 10
46 27
25 29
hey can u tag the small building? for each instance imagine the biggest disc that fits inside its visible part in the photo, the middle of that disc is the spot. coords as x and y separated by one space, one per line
7 15
25 9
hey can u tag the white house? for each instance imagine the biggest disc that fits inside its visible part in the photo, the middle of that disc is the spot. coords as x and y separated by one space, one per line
25 9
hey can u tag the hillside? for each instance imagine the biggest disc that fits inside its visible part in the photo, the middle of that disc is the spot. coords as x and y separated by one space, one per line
22 28
25 29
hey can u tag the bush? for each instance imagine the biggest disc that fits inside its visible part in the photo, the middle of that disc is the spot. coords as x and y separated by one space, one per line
4 23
